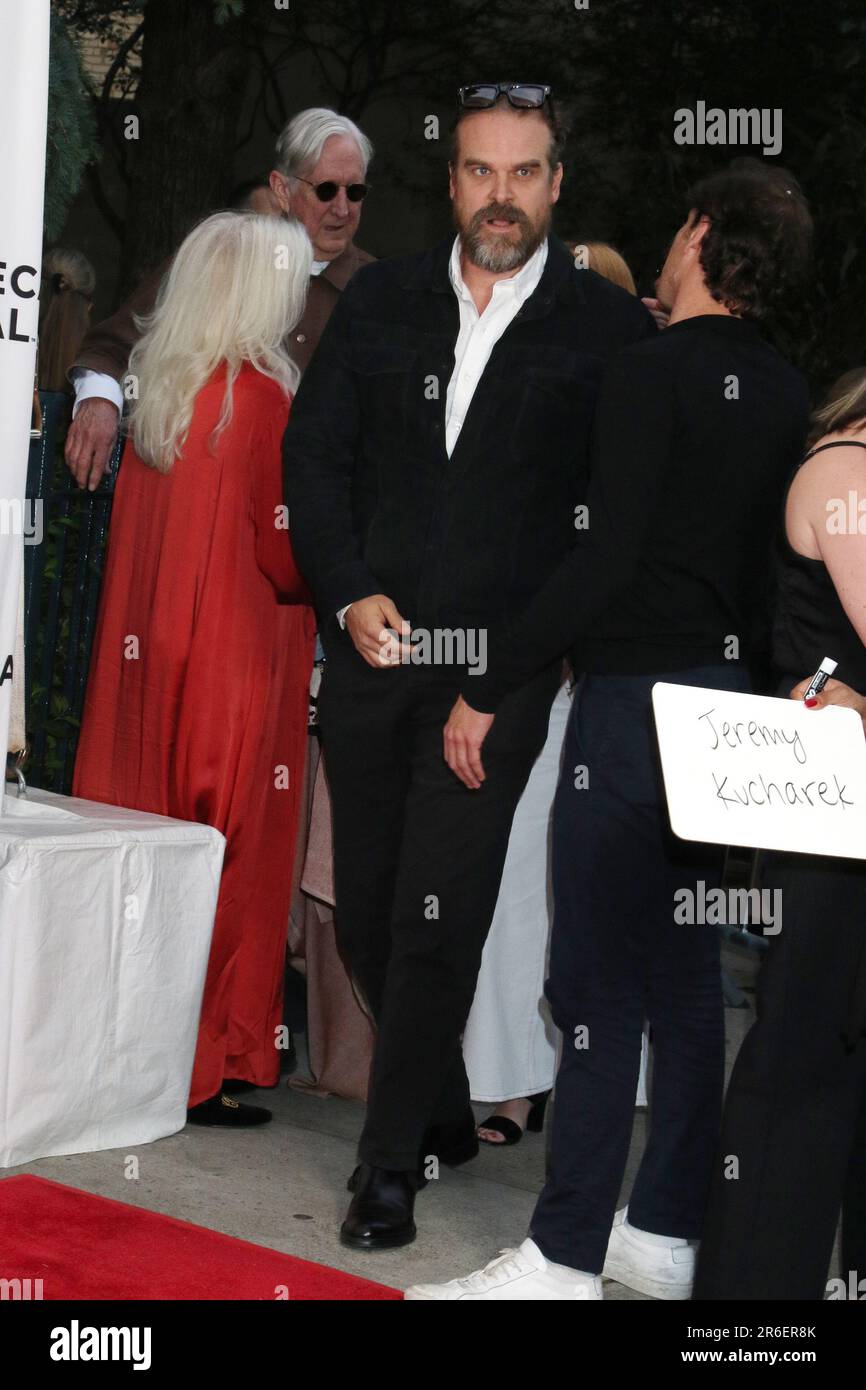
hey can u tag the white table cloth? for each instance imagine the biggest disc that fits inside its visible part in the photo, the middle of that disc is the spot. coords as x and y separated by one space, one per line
106 917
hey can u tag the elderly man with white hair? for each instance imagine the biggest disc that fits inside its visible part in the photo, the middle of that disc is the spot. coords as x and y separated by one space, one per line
319 178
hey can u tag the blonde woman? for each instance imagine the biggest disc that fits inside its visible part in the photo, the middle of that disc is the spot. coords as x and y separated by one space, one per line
197 699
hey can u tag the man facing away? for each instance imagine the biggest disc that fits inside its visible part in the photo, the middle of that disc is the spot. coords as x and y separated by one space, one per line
434 458
696 435
319 178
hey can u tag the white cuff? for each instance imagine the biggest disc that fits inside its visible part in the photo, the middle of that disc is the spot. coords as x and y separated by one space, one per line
88 383
341 616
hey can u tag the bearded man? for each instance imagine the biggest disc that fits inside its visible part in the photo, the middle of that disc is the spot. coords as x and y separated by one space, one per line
433 462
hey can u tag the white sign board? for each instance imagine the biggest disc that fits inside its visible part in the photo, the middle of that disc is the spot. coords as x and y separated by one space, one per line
767 773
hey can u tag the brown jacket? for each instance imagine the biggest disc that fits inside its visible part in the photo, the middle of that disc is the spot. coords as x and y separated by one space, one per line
107 345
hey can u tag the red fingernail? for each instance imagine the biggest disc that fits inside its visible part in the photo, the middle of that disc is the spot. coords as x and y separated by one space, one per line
811 702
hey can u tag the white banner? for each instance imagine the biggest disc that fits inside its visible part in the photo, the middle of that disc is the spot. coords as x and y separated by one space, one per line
24 35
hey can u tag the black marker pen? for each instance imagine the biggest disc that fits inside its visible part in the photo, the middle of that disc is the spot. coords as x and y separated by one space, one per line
819 680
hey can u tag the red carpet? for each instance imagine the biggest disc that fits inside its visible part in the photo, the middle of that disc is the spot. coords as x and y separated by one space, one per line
85 1247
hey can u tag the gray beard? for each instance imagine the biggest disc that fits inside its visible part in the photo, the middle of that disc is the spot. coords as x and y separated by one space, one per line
498 255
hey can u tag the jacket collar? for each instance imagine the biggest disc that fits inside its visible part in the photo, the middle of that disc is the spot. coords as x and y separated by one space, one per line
519 285
340 270
558 278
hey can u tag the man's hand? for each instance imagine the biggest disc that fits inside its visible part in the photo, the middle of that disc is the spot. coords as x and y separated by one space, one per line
464 734
659 313
91 439
367 623
834 693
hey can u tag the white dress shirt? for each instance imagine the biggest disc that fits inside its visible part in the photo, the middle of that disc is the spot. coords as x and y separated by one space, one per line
88 383
478 335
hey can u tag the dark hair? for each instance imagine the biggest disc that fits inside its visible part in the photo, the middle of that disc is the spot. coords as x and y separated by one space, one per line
554 115
240 194
758 246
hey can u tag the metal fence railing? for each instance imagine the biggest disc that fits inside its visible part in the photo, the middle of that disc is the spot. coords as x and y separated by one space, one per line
62 574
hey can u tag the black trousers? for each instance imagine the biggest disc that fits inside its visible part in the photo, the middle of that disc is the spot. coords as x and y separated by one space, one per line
795 1113
418 860
618 956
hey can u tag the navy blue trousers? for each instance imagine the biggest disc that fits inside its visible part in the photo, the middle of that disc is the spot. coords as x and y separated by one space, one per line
618 957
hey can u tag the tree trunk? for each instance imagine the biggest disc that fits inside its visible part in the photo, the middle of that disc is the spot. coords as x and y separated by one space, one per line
189 98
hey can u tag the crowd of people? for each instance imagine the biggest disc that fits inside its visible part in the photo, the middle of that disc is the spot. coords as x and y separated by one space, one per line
334 459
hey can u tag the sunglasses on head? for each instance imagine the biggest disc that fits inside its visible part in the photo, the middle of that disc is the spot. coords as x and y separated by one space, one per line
325 192
523 95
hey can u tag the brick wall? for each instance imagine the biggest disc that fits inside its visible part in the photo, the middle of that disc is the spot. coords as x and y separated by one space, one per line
97 57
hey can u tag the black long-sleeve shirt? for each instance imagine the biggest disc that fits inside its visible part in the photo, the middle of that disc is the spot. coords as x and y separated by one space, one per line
695 435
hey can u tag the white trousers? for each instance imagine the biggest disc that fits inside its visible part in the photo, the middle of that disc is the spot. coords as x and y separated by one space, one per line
510 1041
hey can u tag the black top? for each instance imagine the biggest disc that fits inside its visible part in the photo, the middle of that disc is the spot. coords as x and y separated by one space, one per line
376 503
695 435
810 622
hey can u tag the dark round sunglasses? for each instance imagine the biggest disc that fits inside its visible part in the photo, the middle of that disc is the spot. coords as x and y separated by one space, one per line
325 192
523 95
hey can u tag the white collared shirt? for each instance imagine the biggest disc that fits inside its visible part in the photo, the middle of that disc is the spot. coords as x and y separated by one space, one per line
479 333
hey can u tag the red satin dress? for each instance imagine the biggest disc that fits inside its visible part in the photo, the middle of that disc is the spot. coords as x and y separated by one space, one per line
197 695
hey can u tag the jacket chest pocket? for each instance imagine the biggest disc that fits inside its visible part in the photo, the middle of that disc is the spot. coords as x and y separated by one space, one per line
554 407
391 392
386 367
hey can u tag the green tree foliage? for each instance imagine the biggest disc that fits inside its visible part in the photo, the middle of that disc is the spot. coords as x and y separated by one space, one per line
632 65
72 141
625 67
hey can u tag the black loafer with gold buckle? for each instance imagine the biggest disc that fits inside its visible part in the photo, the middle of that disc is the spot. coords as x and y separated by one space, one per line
222 1110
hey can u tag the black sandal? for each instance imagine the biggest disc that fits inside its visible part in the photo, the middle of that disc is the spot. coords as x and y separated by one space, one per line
510 1129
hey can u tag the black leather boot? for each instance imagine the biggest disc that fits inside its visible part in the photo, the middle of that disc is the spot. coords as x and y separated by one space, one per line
380 1215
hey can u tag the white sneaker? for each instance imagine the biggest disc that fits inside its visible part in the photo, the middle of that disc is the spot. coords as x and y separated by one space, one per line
515 1274
633 1259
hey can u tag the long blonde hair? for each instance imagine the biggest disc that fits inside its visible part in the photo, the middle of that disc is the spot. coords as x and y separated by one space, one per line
236 288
